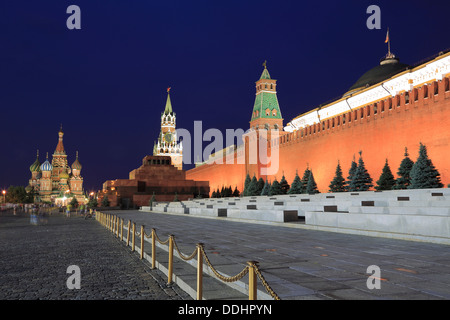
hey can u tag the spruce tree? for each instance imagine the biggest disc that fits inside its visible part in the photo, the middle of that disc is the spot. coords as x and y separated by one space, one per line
338 182
246 184
311 187
259 186
423 173
361 180
305 178
386 180
284 185
266 189
351 173
296 186
275 188
253 187
236 192
404 178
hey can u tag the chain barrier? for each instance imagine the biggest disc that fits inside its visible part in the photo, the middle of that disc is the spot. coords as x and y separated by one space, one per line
186 258
237 277
109 221
266 285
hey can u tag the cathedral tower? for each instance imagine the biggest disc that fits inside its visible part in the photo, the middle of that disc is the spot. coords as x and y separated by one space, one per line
59 164
167 140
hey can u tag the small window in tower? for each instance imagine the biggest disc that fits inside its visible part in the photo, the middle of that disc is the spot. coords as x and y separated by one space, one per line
390 103
382 106
271 86
356 114
350 117
274 112
446 84
425 91
332 123
416 94
375 108
436 88
323 125
406 97
265 86
343 119
338 119
368 110
267 112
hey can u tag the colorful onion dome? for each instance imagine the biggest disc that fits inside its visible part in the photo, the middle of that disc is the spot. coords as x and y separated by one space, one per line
36 166
76 165
46 166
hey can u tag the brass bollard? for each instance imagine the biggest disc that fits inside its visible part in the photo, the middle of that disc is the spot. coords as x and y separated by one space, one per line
121 229
142 242
133 237
128 233
252 295
199 271
153 248
169 280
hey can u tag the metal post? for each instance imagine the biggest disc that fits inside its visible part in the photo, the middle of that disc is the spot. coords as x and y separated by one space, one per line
142 242
252 295
199 271
133 236
118 225
121 229
128 233
153 249
169 280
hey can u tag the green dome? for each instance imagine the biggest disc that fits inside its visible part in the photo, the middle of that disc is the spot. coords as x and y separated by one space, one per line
388 67
36 166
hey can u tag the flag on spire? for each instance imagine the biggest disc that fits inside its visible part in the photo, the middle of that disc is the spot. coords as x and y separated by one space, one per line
387 37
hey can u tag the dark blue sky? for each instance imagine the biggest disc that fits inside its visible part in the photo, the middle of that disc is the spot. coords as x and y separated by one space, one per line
106 83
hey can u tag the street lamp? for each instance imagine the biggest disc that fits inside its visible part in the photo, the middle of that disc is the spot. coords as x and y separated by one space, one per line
4 196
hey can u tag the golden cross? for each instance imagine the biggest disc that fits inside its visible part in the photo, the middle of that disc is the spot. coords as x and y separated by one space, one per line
265 64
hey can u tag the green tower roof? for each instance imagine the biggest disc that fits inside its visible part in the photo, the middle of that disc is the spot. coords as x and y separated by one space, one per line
265 74
264 101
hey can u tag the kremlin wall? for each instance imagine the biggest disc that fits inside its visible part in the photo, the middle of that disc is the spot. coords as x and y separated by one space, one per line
391 106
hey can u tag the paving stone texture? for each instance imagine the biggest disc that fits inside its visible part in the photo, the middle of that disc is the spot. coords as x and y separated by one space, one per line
34 261
309 264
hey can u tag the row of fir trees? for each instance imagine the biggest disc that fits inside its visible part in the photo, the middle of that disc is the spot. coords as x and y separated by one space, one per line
411 175
254 187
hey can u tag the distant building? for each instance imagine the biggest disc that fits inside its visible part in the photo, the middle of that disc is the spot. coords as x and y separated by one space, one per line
160 175
57 182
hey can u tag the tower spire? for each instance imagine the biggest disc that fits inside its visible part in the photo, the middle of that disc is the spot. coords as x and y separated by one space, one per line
168 108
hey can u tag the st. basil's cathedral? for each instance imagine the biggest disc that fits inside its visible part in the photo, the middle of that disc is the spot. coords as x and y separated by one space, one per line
57 182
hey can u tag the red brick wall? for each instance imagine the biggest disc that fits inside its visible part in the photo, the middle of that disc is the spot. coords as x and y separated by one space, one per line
379 135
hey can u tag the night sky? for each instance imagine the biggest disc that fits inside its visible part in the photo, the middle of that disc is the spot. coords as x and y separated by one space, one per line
106 83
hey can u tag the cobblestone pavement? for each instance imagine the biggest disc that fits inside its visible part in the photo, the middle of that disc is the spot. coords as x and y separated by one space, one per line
34 261
307 264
